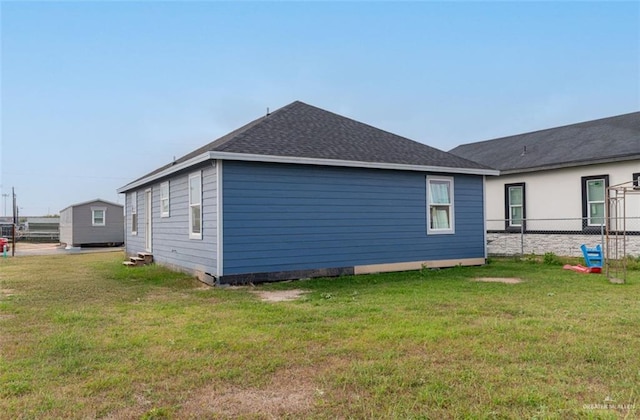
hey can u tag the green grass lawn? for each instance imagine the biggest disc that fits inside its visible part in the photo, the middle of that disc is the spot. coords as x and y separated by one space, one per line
83 337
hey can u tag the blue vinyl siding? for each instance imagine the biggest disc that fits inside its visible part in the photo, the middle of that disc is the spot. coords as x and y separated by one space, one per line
170 235
280 217
134 243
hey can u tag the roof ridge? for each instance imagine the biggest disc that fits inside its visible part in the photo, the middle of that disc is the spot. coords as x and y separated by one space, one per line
221 141
81 203
550 128
242 131
588 141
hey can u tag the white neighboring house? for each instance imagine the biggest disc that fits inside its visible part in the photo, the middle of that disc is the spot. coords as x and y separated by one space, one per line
559 173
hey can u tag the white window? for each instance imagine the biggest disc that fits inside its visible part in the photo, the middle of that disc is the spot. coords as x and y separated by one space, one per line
164 199
440 205
595 201
134 213
515 204
98 216
195 206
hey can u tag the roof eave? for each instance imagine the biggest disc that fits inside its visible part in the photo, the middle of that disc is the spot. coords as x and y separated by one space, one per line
301 161
348 163
168 171
91 201
570 164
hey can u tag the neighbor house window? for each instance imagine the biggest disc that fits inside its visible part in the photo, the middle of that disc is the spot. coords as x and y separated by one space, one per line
440 205
195 206
134 212
514 206
98 217
164 199
636 180
593 199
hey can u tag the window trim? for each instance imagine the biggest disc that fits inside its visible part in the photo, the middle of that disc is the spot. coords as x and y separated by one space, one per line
585 203
93 216
166 198
192 234
452 226
636 179
134 213
507 207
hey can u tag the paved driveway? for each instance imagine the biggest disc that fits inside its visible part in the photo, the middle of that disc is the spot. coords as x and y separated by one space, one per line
24 249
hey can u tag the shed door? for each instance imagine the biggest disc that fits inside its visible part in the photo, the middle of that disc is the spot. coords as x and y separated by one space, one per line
147 221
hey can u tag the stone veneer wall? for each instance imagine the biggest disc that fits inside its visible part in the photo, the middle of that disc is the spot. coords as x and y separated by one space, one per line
499 244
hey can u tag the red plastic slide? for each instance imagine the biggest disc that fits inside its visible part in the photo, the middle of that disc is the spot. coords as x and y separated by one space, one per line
581 269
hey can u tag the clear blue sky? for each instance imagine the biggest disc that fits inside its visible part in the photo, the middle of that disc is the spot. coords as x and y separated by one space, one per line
97 94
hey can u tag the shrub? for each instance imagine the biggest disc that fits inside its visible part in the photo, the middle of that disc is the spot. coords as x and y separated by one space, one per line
551 259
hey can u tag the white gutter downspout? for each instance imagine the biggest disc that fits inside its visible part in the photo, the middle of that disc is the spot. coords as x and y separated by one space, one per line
219 220
484 214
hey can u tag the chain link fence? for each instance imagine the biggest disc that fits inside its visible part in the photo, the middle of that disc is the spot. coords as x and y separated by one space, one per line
561 236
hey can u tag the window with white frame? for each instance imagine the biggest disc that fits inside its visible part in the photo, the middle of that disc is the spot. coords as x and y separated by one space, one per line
195 206
440 207
134 213
636 180
164 199
515 210
98 216
593 199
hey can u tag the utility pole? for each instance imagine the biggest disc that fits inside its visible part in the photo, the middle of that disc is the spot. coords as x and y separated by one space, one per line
15 223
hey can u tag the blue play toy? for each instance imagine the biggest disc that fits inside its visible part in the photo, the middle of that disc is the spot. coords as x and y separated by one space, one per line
592 256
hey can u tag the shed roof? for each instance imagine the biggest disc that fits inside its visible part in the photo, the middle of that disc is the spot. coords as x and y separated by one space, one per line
97 200
599 141
301 133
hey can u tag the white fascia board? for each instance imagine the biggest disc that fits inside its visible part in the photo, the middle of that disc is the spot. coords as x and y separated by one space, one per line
302 161
348 163
172 169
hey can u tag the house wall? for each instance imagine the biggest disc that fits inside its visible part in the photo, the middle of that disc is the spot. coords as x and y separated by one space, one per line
40 229
43 224
66 226
556 194
287 218
134 242
84 233
171 245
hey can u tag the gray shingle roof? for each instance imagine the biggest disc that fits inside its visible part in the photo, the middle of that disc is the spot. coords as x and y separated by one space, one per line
97 200
304 131
603 140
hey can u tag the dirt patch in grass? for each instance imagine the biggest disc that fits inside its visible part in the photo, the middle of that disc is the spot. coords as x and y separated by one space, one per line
506 280
279 295
289 392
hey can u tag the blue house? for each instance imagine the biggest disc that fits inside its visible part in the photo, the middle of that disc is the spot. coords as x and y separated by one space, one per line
303 192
